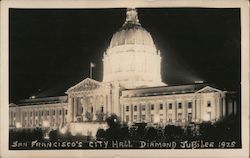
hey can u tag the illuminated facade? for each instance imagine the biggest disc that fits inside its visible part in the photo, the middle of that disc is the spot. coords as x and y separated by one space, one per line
132 89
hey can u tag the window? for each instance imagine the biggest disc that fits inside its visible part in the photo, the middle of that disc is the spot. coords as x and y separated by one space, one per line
127 108
36 113
31 113
14 114
36 122
152 107
25 114
143 117
102 109
170 106
127 118
190 105
54 112
66 112
179 117
30 122
82 109
92 109
170 117
47 112
152 118
135 118
161 106
179 105
60 112
42 113
189 117
143 108
208 103
135 108
161 117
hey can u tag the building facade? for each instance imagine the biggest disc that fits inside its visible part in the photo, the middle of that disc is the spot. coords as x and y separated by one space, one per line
132 89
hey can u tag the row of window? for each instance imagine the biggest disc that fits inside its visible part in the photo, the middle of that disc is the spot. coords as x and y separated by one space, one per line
152 117
170 106
53 121
44 113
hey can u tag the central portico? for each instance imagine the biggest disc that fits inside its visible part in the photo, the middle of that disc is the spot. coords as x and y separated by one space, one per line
91 100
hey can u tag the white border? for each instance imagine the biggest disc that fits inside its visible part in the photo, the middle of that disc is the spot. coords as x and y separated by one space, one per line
4 81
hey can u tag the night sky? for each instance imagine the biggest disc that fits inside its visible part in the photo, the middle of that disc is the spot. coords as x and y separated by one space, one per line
50 49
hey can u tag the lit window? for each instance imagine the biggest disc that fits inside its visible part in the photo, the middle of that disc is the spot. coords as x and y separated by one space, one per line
170 106
143 117
179 105
135 118
143 108
127 108
189 117
179 117
161 106
152 107
169 117
209 104
190 105
152 118
135 108
127 118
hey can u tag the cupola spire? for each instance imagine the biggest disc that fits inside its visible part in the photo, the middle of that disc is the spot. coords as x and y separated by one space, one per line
132 16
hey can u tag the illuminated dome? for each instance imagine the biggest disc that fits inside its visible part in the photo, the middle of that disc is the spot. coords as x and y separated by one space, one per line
132 58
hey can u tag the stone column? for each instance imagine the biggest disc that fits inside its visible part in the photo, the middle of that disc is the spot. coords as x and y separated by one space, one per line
75 109
165 112
70 110
198 111
185 106
224 106
174 111
193 110
139 116
131 112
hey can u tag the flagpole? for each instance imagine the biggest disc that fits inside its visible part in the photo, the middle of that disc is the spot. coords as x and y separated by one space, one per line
90 70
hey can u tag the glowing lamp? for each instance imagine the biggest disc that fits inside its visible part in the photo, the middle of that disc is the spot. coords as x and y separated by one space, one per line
63 130
45 123
18 125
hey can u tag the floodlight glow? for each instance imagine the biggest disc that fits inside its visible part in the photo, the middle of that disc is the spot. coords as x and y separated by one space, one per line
63 130
206 117
45 123
18 125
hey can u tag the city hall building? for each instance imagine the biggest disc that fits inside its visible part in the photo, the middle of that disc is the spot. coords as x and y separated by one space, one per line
132 88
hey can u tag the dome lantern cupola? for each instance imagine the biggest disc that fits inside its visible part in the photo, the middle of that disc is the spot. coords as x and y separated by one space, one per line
132 17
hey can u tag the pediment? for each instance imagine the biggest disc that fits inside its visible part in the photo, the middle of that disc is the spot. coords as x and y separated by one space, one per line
85 85
208 89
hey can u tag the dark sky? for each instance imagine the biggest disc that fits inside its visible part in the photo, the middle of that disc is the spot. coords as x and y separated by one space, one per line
50 50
